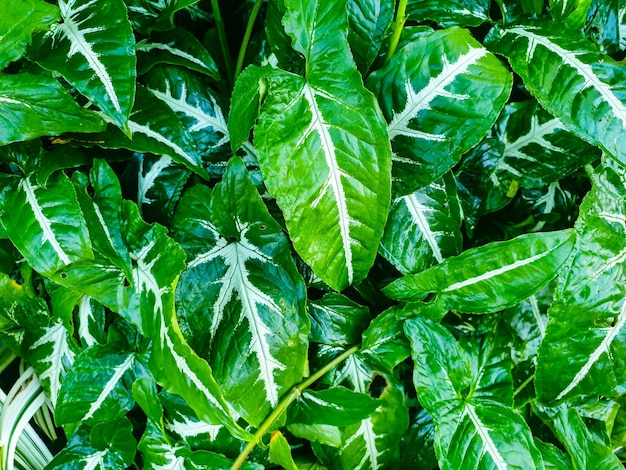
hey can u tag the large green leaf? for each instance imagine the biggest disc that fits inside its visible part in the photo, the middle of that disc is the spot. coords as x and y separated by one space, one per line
440 93
36 105
584 88
20 20
491 277
581 353
369 21
474 429
424 227
326 127
241 290
336 320
94 50
45 223
449 12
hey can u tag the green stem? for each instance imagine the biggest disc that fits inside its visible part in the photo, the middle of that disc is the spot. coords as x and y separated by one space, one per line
221 34
295 392
398 26
246 37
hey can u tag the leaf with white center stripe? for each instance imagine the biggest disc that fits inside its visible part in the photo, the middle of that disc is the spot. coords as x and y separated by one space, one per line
196 105
423 228
593 104
241 290
440 93
491 277
156 129
177 47
45 223
327 128
94 50
449 12
37 105
473 430
586 332
98 387
106 445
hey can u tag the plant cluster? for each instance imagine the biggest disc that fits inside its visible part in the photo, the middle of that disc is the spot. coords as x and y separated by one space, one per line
380 234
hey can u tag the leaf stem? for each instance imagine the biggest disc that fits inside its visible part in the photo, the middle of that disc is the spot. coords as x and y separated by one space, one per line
293 394
246 37
398 26
221 34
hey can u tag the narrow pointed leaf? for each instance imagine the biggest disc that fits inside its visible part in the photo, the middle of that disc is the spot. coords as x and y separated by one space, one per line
20 20
471 432
580 354
252 295
440 94
46 224
94 50
36 105
424 227
491 277
326 126
593 102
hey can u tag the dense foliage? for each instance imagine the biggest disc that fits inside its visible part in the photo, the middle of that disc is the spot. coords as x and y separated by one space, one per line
380 234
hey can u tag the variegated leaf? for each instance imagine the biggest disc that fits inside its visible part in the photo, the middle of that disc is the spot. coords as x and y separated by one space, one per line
151 15
99 61
156 129
327 127
586 330
424 227
440 93
593 104
241 287
178 47
196 105
46 224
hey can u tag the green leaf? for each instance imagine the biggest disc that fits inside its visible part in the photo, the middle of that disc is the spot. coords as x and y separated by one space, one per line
196 106
449 12
98 387
440 94
20 20
253 296
492 277
328 127
423 228
336 320
36 105
585 335
176 47
471 431
45 223
108 445
368 23
592 104
94 50
148 15
280 452
335 406
156 129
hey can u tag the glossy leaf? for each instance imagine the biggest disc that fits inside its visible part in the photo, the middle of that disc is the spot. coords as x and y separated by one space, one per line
20 20
150 15
252 295
36 105
368 23
595 82
336 406
94 50
280 452
423 228
336 320
46 224
156 129
580 354
450 12
330 129
440 95
471 431
492 277
177 47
